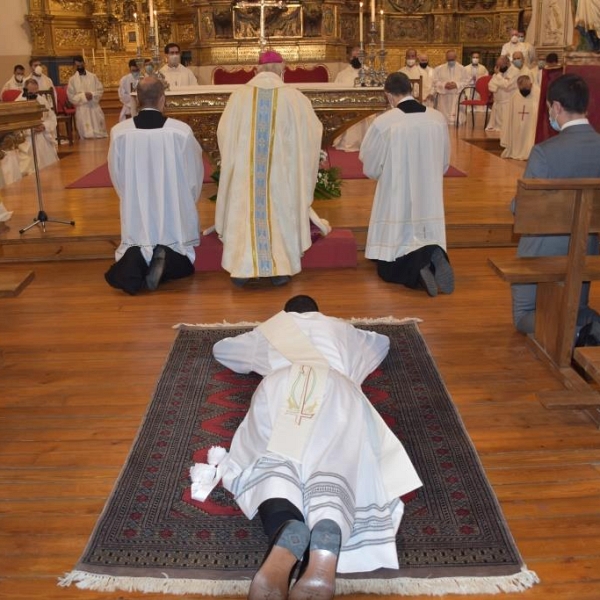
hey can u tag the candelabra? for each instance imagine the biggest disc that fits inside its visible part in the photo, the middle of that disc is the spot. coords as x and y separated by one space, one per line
152 45
373 71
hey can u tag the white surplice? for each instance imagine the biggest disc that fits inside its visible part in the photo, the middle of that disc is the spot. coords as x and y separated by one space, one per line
520 125
158 175
503 86
89 117
178 76
12 84
408 153
351 139
447 99
269 139
127 84
45 141
353 469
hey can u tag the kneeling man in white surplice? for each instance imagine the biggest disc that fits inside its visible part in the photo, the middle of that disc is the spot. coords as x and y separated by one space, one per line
45 133
312 457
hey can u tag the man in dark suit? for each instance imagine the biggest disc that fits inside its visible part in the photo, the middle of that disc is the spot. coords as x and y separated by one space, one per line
574 153
156 167
407 149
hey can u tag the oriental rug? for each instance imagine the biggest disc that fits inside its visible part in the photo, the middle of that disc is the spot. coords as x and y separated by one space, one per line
153 537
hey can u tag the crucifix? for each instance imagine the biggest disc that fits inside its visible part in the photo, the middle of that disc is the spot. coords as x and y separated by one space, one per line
523 113
263 4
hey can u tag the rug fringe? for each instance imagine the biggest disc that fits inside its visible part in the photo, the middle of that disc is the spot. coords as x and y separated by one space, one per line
401 586
354 320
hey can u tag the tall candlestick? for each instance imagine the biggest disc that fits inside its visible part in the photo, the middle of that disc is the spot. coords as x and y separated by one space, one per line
360 24
137 31
372 11
382 27
93 57
156 25
83 54
105 60
151 12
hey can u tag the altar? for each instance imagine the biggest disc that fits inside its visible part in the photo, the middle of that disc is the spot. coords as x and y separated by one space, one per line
338 107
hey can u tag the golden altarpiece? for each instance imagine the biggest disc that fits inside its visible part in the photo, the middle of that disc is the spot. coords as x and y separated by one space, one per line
108 32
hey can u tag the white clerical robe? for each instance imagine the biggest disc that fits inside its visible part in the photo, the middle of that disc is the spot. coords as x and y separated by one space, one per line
416 72
178 76
89 117
588 15
408 153
270 139
520 125
127 84
12 84
45 141
503 86
353 470
447 99
509 48
158 175
351 139
9 164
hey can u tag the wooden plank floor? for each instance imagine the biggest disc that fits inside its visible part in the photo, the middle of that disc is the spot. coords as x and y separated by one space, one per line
79 361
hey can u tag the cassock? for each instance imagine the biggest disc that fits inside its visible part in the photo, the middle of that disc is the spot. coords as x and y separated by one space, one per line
45 141
351 139
157 172
89 117
178 76
408 153
503 86
447 100
269 139
520 126
352 468
127 84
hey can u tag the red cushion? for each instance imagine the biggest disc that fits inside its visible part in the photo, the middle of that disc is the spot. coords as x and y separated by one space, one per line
318 74
221 76
336 250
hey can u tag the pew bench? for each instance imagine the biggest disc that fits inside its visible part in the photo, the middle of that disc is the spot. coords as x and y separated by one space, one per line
558 207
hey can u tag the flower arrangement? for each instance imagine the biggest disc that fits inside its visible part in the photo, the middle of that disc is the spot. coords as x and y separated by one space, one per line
329 183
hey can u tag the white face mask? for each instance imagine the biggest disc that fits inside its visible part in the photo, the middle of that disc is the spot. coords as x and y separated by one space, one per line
521 38
514 39
410 62
38 70
474 61
173 60
19 78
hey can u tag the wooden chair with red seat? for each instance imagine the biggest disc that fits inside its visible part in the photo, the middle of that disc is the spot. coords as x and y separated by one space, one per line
221 76
65 114
486 98
11 95
304 74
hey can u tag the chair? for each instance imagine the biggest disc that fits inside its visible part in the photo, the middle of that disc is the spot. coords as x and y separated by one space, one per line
10 95
65 114
486 98
303 74
222 76
418 84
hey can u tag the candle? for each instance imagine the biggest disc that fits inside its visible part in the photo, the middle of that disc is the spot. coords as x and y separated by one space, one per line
382 27
83 54
372 11
360 24
156 22
137 30
105 61
93 57
151 12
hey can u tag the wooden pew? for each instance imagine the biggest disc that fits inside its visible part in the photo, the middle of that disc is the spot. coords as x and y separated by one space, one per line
546 207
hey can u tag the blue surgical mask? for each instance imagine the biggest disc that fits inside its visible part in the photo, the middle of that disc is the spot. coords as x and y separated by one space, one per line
541 64
518 63
553 122
451 63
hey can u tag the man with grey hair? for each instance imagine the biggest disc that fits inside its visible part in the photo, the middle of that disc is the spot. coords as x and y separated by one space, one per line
270 139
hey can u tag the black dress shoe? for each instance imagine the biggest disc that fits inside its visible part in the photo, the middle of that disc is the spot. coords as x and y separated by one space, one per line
442 271
157 267
272 580
427 280
280 280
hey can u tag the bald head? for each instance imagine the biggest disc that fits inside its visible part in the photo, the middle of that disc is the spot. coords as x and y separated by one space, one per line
151 93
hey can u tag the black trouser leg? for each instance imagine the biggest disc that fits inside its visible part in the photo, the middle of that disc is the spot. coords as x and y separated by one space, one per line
176 265
406 269
275 512
129 272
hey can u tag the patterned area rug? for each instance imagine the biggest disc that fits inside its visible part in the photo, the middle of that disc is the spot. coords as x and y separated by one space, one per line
152 537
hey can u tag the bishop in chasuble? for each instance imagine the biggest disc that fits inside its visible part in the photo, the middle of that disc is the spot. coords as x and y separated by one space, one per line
269 139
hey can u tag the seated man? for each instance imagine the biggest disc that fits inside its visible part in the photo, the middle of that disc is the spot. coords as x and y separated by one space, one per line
270 140
329 483
156 167
407 149
45 133
16 81
571 154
